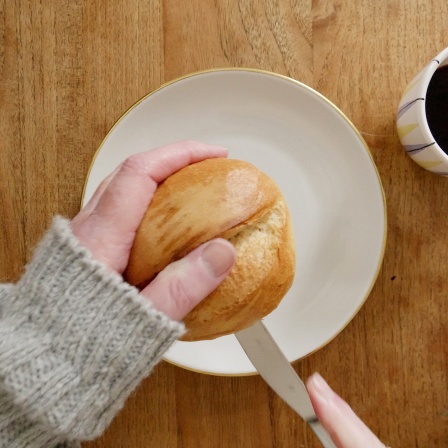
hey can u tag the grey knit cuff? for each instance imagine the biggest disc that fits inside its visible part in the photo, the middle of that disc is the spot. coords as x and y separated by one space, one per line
76 340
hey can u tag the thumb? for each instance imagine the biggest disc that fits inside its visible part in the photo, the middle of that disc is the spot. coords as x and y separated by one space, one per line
183 284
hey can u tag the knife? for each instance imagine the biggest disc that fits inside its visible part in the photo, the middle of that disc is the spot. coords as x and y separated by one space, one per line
275 369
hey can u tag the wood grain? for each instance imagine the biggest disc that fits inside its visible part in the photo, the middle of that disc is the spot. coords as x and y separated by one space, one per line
69 69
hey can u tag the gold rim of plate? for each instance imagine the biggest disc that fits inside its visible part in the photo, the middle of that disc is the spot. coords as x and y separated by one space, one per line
326 100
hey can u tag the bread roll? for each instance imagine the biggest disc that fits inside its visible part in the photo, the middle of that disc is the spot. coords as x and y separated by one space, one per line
229 199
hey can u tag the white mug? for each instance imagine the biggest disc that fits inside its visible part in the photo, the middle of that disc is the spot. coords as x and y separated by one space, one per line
412 124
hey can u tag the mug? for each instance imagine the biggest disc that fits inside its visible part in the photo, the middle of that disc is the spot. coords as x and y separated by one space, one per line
412 120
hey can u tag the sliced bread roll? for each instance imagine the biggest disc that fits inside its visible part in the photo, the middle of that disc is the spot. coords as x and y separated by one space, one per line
224 198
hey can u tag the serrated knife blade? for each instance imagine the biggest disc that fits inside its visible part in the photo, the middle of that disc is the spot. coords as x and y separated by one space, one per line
275 369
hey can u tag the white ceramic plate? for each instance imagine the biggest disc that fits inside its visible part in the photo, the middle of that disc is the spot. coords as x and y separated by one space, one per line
324 169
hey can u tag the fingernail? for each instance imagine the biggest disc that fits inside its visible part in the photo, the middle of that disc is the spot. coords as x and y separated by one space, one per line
321 386
218 256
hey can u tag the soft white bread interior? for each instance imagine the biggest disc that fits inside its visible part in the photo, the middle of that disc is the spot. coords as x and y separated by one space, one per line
224 198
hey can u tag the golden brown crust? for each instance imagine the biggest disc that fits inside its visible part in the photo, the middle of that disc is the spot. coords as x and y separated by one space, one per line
220 198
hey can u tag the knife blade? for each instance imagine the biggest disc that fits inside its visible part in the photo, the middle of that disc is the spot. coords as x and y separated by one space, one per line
275 369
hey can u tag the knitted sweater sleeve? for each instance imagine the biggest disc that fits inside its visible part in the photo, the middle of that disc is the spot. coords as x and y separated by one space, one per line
75 340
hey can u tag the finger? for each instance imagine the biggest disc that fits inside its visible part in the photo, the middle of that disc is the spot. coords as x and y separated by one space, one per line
78 223
184 283
130 191
345 428
99 191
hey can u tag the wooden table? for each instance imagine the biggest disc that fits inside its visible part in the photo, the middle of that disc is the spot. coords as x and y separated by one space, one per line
70 68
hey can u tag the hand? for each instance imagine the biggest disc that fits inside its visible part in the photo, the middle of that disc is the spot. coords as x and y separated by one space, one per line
107 225
344 426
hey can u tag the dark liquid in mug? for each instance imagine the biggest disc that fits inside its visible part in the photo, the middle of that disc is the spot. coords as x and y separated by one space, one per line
437 107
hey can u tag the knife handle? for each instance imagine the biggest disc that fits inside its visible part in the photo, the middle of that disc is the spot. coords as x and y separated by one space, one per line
321 433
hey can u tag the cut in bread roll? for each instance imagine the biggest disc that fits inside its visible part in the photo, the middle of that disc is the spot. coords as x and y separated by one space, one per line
224 198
